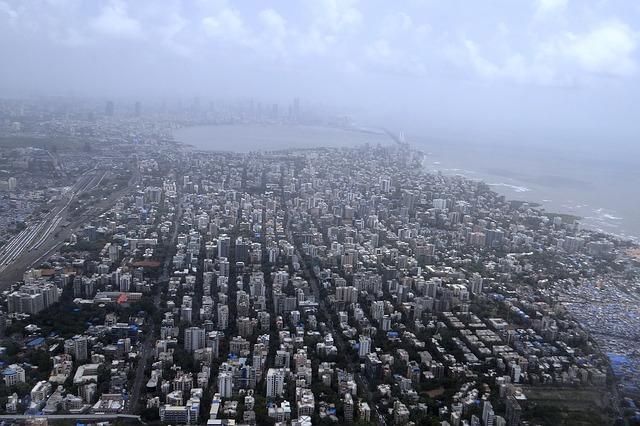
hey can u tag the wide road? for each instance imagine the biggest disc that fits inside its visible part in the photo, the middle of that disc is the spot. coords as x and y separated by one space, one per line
39 240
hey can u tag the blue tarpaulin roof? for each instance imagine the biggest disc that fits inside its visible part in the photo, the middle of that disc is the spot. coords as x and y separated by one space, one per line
36 342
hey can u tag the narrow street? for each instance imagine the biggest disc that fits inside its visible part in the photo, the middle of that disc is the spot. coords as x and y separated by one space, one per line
146 349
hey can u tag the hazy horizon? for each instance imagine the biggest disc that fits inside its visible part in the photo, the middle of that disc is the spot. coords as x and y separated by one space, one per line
536 72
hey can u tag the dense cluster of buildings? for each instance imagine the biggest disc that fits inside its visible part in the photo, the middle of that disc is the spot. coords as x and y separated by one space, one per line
321 286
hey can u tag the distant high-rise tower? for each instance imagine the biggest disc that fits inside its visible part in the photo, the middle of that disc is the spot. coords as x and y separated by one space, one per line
108 109
296 108
195 104
137 109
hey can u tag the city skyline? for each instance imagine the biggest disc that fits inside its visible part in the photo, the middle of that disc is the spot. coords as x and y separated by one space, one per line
421 65
320 212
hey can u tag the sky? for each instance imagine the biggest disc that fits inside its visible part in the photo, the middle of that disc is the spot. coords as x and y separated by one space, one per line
501 68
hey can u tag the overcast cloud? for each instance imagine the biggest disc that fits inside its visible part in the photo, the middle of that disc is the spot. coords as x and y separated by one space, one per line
549 63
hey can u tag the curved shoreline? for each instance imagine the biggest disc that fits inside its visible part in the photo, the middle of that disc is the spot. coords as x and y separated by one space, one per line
594 224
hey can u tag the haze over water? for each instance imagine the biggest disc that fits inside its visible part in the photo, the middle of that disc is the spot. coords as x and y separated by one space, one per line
256 137
602 190
603 193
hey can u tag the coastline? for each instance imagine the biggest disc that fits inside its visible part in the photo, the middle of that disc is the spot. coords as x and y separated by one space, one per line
537 204
597 222
261 137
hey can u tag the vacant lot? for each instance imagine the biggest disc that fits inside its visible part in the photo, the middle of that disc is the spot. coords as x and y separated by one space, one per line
566 406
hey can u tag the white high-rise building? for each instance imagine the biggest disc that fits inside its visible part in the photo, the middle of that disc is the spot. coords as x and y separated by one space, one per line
225 384
365 346
347 294
125 282
377 310
223 317
475 284
77 347
194 339
275 383
516 372
439 204
488 416
41 391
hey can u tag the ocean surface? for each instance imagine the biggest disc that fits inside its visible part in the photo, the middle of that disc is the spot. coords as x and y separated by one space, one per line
602 188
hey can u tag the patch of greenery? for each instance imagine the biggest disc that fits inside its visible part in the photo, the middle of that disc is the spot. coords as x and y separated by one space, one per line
84 245
63 318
